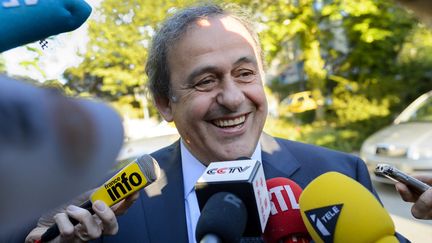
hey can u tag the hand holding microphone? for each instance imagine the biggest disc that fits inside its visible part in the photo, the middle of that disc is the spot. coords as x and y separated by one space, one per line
135 176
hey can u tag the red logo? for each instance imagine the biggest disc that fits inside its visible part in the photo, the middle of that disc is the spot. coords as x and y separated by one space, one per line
229 170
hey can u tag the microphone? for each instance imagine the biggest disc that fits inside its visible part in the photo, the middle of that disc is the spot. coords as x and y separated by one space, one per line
223 219
133 177
285 223
336 208
22 22
243 178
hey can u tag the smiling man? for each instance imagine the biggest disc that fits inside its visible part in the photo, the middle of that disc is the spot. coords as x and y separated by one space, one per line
216 98
206 75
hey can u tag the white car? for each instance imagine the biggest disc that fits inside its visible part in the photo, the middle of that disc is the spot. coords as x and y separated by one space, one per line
406 144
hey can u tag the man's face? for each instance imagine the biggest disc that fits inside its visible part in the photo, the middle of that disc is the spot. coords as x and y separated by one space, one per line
218 104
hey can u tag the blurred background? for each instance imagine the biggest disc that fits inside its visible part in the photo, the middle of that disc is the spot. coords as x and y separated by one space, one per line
338 71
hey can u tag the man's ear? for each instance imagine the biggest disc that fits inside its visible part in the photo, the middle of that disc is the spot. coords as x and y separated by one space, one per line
164 107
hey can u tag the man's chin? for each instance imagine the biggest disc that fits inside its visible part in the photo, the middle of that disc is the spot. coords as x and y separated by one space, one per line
235 155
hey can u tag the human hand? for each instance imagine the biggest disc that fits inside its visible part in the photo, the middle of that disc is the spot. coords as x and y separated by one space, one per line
422 207
103 222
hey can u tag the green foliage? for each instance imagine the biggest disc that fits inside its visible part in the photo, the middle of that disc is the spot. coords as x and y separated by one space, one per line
379 73
350 105
33 63
113 66
283 128
2 65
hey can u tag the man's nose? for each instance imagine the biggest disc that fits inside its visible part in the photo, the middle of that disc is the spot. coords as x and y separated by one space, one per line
231 95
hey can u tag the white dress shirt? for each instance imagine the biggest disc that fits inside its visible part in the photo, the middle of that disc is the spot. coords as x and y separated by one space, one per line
192 170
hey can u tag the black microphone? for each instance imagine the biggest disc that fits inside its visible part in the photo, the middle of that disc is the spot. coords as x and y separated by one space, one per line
223 219
133 177
243 178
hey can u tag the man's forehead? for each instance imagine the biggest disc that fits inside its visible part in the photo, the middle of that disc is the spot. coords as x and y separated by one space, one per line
201 45
224 22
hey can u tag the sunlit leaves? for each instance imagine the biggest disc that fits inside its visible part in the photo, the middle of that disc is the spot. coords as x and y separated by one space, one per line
113 67
360 8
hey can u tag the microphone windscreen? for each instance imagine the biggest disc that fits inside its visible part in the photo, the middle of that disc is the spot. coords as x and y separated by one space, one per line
149 166
224 215
22 22
336 208
285 219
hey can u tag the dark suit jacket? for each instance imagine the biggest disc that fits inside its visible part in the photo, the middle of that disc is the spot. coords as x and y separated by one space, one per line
159 213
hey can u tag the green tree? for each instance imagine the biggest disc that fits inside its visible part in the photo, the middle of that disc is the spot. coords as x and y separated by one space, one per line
291 34
113 66
385 63
375 33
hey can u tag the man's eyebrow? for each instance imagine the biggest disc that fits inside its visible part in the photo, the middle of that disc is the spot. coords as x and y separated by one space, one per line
199 71
214 69
246 59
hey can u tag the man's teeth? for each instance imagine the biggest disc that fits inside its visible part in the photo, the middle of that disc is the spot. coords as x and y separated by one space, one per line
230 122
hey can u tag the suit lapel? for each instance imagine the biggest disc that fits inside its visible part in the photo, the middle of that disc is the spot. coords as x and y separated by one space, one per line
165 213
277 161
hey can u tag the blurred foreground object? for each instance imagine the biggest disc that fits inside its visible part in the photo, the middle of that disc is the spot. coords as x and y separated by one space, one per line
22 22
52 148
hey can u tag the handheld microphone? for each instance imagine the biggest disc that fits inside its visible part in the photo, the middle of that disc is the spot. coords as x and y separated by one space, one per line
285 223
243 178
336 208
133 177
22 22
223 219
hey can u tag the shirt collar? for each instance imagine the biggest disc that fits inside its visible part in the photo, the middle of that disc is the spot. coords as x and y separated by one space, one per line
192 168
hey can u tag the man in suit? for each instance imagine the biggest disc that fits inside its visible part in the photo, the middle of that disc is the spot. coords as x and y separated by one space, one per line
206 75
